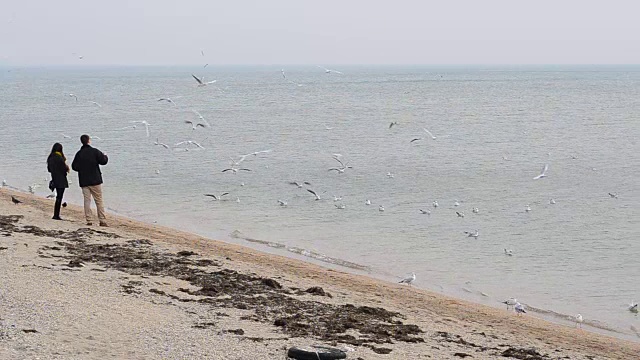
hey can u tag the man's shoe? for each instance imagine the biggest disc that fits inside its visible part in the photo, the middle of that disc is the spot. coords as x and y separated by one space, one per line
104 224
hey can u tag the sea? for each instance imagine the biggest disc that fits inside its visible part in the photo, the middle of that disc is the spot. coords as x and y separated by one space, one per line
573 234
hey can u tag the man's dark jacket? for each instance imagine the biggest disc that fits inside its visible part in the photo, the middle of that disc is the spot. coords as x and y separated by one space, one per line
87 163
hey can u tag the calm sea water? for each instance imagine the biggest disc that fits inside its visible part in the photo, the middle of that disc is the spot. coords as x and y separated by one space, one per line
495 128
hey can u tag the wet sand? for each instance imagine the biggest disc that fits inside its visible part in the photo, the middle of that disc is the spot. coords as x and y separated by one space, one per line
140 291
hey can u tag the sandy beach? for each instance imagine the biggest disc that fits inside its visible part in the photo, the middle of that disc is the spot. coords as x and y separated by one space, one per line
140 291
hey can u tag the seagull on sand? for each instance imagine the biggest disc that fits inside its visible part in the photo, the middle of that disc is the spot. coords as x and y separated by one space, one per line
328 71
543 173
510 302
235 170
473 234
508 252
579 321
189 142
408 280
633 307
4 183
15 201
74 96
216 197
167 100
143 122
201 81
314 194
425 212
519 309
429 132
158 143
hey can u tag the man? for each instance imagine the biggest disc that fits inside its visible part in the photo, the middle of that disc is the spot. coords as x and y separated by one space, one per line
87 163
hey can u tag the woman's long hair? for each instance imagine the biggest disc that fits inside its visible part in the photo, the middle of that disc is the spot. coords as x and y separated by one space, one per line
57 148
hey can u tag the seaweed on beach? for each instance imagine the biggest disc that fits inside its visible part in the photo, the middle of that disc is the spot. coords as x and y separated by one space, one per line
266 300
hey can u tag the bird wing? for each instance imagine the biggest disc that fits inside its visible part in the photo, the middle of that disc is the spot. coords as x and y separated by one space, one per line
336 71
211 195
313 192
429 132
223 194
181 143
544 169
391 125
338 160
416 139
225 170
212 82
336 169
198 80
245 169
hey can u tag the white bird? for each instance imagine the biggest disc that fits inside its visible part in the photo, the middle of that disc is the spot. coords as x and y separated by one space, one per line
282 203
283 75
343 167
201 81
392 124
473 234
552 201
65 136
340 206
337 198
579 321
408 280
219 197
613 195
456 203
299 185
460 214
328 71
74 96
133 127
519 309
237 199
235 170
96 104
96 138
327 127
367 202
157 172
429 132
435 204
4 183
314 194
167 100
527 208
475 210
194 124
425 212
381 208
158 143
189 142
202 122
390 175
414 140
543 173
633 307
145 123
510 302
508 252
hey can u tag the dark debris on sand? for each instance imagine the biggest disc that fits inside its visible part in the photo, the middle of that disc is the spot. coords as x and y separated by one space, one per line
267 300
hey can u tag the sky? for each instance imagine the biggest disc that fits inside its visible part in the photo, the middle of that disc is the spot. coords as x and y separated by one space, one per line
281 32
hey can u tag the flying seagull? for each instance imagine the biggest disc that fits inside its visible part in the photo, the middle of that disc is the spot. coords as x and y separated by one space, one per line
216 197
201 81
429 132
343 167
392 124
414 140
408 280
202 123
96 104
189 142
283 75
158 143
145 123
543 173
235 170
508 252
74 96
282 203
613 195
167 100
65 136
314 194
473 234
328 71
460 214
299 185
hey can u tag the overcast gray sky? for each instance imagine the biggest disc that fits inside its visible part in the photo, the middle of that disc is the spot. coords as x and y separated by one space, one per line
326 32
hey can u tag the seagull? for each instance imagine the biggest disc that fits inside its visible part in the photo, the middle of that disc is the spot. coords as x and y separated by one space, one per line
510 302
613 195
475 210
579 321
343 167
189 142
65 136
390 175
167 100
552 201
414 140
96 104
527 208
203 122
460 214
633 307
456 203
543 173
282 203
327 127
145 123
314 194
392 124
133 127
202 52
15 201
473 234
340 206
157 172
367 202
158 143
508 252
328 71
235 170
205 66
408 280
299 185
435 204
429 132
4 183
283 75
194 125
216 197
201 81
381 208
73 96
425 212
336 198
519 309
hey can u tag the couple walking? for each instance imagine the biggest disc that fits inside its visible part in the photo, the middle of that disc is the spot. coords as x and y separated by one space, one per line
87 163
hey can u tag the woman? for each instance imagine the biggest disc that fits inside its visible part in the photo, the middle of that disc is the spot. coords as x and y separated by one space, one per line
57 166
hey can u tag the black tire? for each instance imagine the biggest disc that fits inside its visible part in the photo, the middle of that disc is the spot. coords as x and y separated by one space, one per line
316 354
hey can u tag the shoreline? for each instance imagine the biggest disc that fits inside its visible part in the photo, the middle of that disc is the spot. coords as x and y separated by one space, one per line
432 312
